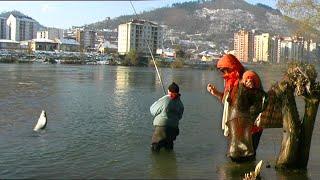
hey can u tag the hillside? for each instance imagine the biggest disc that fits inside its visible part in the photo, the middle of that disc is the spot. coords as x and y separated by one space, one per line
215 20
205 20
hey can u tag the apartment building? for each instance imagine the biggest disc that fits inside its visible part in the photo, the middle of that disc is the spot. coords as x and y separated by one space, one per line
50 33
275 49
138 35
262 48
21 28
3 28
244 45
87 39
292 49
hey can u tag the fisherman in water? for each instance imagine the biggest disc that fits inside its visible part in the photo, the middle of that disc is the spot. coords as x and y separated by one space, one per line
167 111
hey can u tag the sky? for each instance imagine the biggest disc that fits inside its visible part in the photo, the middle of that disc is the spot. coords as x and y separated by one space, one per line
65 14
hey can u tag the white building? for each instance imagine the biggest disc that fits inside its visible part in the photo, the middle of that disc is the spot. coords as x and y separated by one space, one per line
50 33
21 28
262 47
3 28
292 49
312 45
137 35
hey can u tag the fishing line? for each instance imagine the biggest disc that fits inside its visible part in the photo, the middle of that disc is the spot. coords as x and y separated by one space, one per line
274 146
154 62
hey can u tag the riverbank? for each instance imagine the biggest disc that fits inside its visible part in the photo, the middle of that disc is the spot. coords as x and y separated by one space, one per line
113 59
97 59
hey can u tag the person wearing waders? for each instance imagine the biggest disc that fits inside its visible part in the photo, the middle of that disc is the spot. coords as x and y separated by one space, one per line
167 112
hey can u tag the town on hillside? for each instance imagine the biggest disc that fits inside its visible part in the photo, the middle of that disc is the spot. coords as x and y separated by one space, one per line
23 39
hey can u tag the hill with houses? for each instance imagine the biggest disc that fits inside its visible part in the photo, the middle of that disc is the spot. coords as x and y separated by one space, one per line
214 20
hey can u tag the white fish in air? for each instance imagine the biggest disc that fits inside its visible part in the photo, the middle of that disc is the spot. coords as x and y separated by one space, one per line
42 121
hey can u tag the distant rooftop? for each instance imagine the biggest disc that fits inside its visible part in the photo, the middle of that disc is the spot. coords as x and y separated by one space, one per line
16 14
43 40
141 21
8 41
67 41
23 17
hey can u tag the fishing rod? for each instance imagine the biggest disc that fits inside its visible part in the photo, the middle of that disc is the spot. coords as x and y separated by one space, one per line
154 62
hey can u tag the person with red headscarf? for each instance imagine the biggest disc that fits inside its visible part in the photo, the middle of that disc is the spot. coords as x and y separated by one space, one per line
232 71
240 108
251 81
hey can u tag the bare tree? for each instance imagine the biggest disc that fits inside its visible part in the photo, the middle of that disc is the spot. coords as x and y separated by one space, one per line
305 14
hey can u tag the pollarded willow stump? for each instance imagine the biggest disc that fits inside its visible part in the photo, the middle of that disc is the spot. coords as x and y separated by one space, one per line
300 80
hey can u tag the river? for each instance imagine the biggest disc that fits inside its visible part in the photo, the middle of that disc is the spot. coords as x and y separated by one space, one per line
99 125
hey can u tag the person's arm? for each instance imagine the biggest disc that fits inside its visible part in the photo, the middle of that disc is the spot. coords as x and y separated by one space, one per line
213 91
156 107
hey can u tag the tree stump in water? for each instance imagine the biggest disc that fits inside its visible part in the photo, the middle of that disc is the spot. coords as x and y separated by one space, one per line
299 80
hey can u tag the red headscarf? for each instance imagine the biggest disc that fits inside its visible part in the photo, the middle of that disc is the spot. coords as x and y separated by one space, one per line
253 76
236 70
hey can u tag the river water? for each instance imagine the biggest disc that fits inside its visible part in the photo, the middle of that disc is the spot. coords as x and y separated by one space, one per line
99 125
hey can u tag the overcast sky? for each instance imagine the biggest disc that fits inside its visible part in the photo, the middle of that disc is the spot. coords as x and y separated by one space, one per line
64 14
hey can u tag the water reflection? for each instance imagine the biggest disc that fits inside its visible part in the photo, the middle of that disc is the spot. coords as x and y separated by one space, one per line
99 73
122 80
231 170
127 78
293 175
164 165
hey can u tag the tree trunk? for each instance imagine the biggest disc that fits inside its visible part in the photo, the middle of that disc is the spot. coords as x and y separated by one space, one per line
297 134
288 155
311 109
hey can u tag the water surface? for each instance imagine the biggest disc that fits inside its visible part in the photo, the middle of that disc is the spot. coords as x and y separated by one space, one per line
99 125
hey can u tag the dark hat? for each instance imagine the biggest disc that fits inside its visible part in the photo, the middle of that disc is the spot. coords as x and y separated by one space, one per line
174 88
